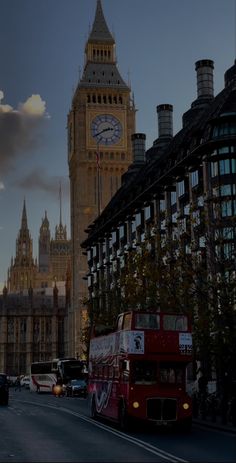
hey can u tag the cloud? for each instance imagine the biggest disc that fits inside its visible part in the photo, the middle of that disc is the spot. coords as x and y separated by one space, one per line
2 187
40 180
19 130
34 106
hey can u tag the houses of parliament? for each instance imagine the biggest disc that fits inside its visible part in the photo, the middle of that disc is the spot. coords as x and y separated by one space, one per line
35 300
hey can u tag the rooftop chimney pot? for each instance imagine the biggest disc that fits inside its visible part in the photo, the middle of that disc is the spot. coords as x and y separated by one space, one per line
205 86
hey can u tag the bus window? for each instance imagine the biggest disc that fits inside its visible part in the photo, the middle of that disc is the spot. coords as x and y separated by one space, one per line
175 323
119 323
149 321
125 366
171 374
144 372
127 321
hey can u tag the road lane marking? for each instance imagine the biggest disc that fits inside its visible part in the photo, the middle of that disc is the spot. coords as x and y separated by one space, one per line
133 440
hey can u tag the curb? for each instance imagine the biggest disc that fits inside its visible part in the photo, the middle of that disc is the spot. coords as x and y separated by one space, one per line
218 426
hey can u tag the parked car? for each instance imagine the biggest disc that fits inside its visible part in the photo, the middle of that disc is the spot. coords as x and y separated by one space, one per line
4 389
76 387
11 380
25 382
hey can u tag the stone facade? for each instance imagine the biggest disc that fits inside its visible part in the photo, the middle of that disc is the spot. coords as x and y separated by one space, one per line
32 328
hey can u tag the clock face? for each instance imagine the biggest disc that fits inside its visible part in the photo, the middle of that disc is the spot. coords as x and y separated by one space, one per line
106 129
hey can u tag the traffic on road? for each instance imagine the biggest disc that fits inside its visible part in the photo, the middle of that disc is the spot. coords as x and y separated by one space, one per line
45 427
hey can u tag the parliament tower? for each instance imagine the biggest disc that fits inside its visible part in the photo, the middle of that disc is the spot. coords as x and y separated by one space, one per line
23 270
100 124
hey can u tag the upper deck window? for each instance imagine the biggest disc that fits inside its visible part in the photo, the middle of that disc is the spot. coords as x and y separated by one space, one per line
127 321
149 321
175 322
119 323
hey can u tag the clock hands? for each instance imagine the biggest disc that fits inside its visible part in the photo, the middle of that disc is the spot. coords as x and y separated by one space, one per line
104 130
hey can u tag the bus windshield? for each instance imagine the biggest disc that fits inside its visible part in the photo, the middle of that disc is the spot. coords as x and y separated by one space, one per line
171 373
150 372
144 372
149 321
71 369
41 367
175 322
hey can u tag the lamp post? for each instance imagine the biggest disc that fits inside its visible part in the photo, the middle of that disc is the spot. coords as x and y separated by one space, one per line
98 166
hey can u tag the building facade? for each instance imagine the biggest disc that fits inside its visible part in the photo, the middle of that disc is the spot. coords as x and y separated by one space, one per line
32 328
100 124
35 300
180 203
54 255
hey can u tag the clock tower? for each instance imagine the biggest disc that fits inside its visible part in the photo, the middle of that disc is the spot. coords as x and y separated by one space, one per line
100 124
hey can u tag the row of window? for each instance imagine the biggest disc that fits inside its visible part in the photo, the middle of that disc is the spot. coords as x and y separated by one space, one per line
224 209
226 128
104 99
97 52
141 372
225 251
224 190
223 167
106 156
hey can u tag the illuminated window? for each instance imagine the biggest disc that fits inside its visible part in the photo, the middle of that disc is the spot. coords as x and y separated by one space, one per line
224 166
194 178
181 188
173 197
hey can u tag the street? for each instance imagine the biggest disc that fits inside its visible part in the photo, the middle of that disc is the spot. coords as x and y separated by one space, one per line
43 428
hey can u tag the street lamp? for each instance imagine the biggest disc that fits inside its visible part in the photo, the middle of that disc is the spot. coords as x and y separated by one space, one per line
98 166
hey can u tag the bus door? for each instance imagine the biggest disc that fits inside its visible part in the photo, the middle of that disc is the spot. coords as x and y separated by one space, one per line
124 380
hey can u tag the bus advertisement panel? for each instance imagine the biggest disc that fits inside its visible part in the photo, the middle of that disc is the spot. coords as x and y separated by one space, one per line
138 372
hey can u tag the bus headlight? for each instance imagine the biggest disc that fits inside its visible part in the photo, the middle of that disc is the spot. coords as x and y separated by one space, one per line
135 404
185 406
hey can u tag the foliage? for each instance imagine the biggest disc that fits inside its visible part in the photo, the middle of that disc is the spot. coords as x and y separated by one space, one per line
162 276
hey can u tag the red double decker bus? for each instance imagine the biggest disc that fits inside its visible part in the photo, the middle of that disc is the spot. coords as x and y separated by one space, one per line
138 372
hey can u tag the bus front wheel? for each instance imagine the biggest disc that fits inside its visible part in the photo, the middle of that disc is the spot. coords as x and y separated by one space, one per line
124 421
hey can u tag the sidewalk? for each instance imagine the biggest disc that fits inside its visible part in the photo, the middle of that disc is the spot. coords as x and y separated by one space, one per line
215 424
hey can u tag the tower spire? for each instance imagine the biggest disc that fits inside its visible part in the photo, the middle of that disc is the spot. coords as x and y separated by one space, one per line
60 221
100 31
24 224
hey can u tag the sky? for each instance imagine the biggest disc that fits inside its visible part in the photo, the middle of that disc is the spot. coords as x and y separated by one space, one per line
41 59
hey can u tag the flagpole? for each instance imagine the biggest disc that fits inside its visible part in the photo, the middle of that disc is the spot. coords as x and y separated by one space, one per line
98 178
98 166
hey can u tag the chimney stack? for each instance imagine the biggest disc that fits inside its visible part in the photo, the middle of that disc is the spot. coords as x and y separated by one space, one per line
139 159
205 90
205 85
138 145
165 120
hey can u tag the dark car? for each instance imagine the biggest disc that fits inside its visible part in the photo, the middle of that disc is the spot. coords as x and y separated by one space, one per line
4 389
76 387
